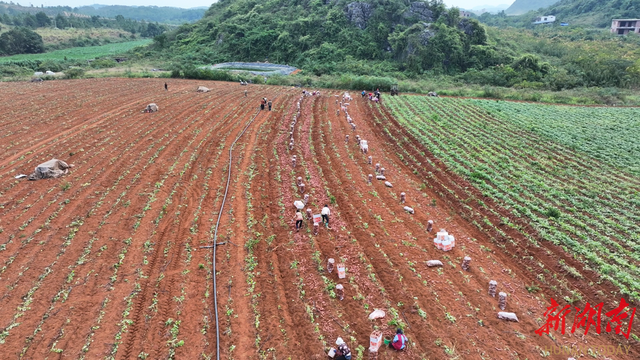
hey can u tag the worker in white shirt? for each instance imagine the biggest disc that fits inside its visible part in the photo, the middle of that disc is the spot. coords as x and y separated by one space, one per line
325 215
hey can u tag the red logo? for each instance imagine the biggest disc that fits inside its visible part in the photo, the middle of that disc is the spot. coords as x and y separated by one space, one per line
588 317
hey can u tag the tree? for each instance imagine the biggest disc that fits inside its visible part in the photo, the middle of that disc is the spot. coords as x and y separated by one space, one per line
152 30
160 40
21 40
61 22
527 62
437 7
30 21
42 19
447 49
6 19
452 17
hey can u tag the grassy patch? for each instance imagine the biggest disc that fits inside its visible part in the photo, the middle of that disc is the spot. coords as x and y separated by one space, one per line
79 53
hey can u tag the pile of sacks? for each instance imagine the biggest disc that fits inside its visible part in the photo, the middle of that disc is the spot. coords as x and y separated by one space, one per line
444 241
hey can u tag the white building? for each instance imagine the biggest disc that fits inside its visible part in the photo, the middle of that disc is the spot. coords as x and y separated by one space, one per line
545 19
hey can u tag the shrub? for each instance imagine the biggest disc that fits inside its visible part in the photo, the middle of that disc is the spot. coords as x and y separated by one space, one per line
552 212
103 63
50 65
10 70
478 175
203 74
21 40
74 73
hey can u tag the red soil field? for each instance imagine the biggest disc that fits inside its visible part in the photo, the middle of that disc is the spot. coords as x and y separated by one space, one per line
114 260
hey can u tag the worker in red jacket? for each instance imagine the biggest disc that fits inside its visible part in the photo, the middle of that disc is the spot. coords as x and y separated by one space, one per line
399 341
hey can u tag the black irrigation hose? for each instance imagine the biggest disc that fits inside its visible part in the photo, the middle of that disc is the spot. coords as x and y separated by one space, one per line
215 236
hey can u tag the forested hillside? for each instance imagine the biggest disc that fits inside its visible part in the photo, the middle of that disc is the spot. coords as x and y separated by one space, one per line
338 36
597 13
62 21
29 32
522 6
582 13
400 39
165 15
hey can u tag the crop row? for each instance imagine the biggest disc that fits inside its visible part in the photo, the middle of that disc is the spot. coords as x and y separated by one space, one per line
478 154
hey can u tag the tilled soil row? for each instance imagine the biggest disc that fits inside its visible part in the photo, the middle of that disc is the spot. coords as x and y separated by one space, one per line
112 266
110 229
458 193
401 282
87 113
171 236
104 254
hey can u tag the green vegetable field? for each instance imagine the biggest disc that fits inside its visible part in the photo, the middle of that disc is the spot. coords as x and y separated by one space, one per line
573 173
80 53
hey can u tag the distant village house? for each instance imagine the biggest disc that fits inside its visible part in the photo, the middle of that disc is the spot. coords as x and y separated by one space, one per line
625 26
465 14
545 19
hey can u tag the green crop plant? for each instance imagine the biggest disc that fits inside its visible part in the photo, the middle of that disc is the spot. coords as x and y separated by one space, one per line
549 165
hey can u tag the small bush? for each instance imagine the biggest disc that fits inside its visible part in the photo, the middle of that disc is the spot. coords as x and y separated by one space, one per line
203 74
74 73
552 213
103 63
533 288
11 70
477 175
50 65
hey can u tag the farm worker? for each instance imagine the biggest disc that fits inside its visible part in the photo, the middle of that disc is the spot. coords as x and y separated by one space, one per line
53 168
325 214
262 104
298 219
399 341
343 352
270 105
166 87
245 93
363 93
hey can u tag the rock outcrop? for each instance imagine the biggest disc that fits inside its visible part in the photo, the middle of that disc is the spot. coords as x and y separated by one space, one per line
425 35
466 27
358 13
419 10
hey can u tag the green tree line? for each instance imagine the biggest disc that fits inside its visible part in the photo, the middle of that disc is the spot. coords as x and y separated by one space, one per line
161 14
60 21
